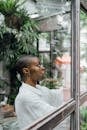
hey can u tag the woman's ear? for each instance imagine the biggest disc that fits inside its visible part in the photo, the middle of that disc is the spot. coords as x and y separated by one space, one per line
26 70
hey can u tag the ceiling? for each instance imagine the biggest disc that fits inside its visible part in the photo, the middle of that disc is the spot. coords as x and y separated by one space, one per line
46 8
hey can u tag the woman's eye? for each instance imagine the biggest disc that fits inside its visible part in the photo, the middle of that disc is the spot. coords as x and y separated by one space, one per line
39 65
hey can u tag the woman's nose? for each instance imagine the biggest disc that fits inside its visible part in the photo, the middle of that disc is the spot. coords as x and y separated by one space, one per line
42 67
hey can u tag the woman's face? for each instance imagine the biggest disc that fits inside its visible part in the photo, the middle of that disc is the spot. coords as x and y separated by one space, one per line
36 70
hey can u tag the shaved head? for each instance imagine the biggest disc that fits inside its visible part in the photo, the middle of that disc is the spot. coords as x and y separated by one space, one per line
24 61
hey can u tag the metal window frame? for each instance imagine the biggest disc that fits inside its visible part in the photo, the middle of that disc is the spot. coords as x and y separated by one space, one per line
75 52
71 107
54 118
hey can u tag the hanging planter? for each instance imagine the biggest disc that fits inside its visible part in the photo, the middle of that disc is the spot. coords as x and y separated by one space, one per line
13 21
12 13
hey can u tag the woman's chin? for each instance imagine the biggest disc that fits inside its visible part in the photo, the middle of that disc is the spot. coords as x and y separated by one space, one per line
41 78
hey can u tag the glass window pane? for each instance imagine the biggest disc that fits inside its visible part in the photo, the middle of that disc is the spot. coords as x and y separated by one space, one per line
44 42
45 60
83 52
55 37
64 125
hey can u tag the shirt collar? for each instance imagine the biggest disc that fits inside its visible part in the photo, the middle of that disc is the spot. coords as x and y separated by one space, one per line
31 88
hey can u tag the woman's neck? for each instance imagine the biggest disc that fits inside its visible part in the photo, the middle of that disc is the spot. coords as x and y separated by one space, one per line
31 82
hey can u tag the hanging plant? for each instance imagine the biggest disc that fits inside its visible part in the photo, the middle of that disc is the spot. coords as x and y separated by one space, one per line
15 16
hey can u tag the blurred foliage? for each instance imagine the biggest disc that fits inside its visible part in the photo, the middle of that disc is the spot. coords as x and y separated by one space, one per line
83 16
14 43
9 7
83 115
52 83
3 83
4 88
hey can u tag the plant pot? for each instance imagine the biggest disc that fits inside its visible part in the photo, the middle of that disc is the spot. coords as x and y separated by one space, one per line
13 21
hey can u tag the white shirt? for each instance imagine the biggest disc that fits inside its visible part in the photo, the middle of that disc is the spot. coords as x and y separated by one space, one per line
32 103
